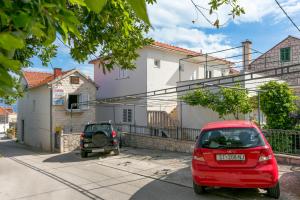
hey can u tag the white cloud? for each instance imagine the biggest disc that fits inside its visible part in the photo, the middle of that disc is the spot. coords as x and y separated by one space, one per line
172 21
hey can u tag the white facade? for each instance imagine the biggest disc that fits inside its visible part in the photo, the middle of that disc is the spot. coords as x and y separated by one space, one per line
156 68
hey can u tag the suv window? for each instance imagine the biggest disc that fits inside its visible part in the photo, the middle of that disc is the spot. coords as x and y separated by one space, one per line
230 138
98 127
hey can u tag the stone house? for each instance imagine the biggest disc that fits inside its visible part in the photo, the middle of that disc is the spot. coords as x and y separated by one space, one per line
285 53
7 118
53 102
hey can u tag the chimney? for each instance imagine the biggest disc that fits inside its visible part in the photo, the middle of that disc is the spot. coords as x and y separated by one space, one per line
247 54
57 72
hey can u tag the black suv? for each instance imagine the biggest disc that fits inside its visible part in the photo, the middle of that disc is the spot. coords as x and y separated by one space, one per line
99 137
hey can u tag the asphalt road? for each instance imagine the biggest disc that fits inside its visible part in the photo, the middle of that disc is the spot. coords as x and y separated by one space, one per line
134 174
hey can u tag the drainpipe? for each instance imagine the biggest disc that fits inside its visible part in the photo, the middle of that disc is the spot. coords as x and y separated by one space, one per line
51 120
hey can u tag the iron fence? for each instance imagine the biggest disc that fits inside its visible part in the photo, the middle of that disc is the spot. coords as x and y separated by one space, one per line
284 141
175 132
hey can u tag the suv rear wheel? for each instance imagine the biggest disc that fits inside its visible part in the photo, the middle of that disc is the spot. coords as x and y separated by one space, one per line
117 151
274 192
83 154
198 189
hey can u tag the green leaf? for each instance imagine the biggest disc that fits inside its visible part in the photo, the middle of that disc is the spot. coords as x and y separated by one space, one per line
78 2
13 65
9 42
21 19
95 5
36 29
139 6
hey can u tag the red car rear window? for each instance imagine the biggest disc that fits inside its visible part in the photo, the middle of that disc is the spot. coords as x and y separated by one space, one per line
230 138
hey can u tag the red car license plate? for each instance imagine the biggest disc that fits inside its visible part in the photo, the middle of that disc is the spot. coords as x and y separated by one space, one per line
231 157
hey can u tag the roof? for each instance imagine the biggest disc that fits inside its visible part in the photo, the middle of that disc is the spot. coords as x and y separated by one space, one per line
36 79
288 37
175 49
233 71
5 111
229 124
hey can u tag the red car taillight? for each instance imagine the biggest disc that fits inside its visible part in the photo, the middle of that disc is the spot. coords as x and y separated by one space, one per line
265 155
114 134
197 155
81 136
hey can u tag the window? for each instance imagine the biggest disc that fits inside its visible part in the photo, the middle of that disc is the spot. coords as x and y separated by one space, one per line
285 54
127 115
209 74
123 73
230 138
223 72
74 79
156 63
73 101
79 101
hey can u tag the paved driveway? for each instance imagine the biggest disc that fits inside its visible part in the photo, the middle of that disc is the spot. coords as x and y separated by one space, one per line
134 174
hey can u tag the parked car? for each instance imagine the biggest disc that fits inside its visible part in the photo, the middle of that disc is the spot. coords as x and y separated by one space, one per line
234 154
99 137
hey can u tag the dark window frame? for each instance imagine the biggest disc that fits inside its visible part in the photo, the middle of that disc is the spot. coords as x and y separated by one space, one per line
74 80
285 54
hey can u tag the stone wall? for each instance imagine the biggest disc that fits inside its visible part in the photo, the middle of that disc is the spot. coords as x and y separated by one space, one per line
70 142
152 142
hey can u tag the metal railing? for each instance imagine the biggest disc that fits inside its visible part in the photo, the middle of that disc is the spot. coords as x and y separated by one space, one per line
178 133
284 141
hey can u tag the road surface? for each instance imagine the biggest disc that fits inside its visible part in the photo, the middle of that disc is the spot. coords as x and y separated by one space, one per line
134 174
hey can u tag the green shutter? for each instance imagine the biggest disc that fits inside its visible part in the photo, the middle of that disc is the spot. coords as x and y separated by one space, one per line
288 54
282 55
285 54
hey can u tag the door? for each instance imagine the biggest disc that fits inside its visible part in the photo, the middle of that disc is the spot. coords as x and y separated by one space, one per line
22 130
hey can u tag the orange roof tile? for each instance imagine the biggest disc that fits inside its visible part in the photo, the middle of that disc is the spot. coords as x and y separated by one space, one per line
3 111
175 48
35 79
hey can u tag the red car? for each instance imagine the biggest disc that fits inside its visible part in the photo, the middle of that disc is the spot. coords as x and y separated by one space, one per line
234 154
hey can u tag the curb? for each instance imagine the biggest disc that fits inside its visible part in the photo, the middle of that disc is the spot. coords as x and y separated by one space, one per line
288 159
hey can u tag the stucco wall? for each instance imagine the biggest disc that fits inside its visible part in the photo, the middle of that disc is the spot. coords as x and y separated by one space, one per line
36 120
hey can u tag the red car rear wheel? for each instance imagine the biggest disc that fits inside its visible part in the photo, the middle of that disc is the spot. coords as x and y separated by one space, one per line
274 192
198 189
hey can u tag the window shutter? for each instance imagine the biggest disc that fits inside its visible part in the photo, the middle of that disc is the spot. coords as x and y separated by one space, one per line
83 99
129 117
124 115
288 54
281 55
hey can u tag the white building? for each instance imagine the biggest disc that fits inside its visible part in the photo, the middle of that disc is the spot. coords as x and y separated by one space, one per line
6 116
47 105
156 68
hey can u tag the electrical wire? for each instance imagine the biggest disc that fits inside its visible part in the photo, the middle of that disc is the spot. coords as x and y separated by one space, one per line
291 20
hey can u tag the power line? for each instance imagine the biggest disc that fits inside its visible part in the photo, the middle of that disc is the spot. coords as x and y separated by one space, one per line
287 15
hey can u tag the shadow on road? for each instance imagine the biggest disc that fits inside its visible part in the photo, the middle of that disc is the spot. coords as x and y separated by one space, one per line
171 187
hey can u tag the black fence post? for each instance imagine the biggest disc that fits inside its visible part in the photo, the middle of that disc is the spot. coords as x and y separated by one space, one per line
177 136
130 128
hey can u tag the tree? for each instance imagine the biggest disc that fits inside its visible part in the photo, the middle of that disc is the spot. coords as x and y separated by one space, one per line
277 103
29 28
226 101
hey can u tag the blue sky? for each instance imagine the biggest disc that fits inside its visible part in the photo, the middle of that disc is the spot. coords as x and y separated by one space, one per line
264 24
